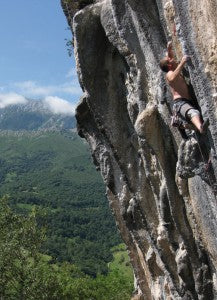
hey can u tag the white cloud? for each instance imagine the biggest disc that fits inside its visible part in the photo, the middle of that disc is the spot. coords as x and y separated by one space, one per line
11 99
32 88
59 106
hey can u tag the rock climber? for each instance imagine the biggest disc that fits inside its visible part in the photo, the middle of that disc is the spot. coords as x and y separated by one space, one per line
182 104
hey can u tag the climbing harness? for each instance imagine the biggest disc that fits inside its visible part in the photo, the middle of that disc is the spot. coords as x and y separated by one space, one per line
175 120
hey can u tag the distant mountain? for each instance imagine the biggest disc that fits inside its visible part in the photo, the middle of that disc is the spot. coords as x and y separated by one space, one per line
34 115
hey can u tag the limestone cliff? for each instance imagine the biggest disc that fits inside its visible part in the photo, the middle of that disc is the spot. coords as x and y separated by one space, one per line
160 189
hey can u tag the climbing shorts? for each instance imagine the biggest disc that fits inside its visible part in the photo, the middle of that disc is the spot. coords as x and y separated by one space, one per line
192 112
185 108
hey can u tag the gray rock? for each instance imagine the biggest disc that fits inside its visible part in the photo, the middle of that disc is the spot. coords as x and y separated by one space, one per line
161 191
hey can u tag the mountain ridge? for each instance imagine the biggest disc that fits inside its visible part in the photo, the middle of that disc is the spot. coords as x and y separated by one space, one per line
34 115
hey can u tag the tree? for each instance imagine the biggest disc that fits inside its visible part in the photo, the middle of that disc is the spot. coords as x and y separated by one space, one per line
24 272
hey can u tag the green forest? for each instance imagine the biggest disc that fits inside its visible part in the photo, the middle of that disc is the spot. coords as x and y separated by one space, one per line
26 273
50 180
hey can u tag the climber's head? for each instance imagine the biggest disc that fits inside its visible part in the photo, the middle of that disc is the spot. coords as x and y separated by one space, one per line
167 64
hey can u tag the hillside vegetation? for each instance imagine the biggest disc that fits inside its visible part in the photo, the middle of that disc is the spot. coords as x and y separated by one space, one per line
54 171
28 275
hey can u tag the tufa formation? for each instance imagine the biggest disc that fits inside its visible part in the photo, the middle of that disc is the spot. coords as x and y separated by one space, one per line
161 185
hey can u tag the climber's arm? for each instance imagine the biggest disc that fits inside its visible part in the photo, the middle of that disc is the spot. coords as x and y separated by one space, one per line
169 50
172 75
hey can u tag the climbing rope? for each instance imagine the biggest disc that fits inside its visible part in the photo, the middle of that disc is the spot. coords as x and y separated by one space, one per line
174 28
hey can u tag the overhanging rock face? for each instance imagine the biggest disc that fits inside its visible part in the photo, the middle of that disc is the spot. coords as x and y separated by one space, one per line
160 189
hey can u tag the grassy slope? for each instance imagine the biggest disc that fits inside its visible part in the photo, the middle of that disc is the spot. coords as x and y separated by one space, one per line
121 261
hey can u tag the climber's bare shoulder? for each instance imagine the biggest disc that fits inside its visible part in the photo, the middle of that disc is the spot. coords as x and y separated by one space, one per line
174 82
170 77
178 86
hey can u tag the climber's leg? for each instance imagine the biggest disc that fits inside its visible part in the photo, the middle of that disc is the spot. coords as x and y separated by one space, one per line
197 123
194 116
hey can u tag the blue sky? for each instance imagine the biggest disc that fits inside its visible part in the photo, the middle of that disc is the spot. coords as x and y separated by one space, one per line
34 62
